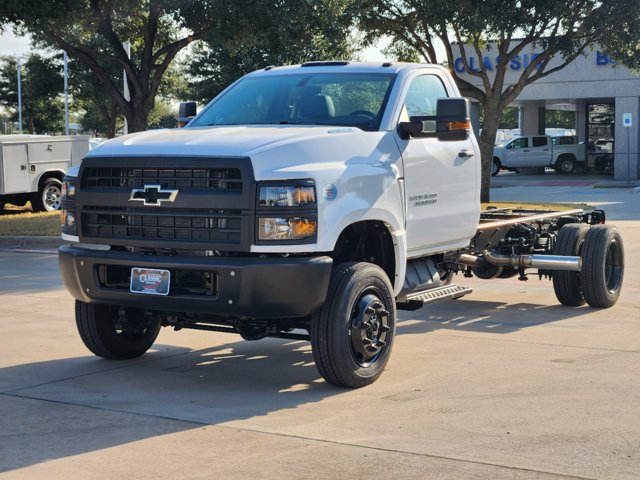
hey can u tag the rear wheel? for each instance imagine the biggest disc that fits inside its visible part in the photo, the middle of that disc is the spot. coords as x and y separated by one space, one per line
566 284
565 164
602 266
352 334
49 197
495 167
115 333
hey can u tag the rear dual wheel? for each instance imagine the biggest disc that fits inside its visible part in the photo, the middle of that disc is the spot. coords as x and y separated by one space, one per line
352 334
602 266
600 281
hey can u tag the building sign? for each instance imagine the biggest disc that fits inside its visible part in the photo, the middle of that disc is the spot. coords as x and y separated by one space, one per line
519 62
627 120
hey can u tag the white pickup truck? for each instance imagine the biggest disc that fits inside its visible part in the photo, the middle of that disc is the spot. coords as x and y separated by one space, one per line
32 168
308 202
539 151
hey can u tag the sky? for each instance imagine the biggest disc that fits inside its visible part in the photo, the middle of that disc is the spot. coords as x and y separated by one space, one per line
12 45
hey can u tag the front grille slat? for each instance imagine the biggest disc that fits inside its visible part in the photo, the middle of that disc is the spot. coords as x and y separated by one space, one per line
134 224
209 179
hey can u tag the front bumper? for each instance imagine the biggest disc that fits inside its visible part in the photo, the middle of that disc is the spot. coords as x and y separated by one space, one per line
252 287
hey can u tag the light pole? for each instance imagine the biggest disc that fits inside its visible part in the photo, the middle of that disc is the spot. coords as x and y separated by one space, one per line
18 58
66 95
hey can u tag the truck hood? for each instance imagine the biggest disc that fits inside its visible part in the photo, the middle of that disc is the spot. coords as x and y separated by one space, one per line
226 141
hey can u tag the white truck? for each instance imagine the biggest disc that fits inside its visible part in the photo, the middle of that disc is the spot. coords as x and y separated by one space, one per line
308 202
32 168
539 151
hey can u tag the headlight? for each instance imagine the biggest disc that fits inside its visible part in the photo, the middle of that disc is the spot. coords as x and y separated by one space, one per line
280 228
69 187
286 196
68 219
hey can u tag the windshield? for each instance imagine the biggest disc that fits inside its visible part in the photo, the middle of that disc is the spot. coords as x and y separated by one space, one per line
356 100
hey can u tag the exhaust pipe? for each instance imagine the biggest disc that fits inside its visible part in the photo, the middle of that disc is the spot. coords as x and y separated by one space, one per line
543 262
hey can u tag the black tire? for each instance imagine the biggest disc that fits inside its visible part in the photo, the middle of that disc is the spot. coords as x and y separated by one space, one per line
114 338
602 266
565 164
495 167
567 285
352 334
49 197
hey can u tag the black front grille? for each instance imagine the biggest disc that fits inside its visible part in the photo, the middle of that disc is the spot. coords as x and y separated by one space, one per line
181 178
193 225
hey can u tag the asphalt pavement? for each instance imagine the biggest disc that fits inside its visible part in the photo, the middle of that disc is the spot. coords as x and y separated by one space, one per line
504 383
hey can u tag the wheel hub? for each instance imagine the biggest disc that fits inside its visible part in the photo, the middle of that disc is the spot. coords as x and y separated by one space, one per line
369 327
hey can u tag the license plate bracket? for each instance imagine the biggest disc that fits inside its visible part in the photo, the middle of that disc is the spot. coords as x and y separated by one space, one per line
150 281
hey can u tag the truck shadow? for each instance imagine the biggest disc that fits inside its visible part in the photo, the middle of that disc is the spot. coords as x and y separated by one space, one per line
483 316
92 404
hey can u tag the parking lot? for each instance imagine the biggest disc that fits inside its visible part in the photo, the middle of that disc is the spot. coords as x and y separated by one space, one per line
504 383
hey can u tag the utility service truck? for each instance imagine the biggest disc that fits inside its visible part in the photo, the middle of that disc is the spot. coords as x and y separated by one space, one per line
32 168
308 202
562 154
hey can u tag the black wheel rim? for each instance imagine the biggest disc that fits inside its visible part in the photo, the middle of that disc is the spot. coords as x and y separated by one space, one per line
613 267
369 328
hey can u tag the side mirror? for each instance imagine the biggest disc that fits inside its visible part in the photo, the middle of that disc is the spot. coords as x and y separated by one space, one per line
451 123
186 112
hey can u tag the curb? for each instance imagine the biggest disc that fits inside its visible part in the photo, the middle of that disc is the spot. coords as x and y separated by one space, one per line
616 184
31 243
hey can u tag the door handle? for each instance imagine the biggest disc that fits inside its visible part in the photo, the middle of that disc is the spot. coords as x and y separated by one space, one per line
525 150
545 149
465 154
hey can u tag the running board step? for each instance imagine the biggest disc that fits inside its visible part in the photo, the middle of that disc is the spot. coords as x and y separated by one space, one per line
419 299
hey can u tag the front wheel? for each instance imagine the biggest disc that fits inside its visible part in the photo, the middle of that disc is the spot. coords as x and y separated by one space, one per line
113 332
352 334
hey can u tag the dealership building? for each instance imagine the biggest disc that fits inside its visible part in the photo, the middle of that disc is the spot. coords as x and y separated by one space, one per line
605 97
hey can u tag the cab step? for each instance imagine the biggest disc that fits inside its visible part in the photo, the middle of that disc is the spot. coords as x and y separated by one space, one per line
419 299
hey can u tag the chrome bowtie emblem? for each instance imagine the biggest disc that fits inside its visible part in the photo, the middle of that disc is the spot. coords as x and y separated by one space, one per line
152 195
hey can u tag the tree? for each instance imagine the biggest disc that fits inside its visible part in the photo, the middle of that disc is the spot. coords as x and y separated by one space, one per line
558 31
42 84
282 32
101 111
94 31
623 42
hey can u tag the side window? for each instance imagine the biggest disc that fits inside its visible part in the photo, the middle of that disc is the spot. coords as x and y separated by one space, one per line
539 141
519 143
423 94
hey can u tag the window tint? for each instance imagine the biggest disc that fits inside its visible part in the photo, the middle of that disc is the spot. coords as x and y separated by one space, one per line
519 143
539 141
423 94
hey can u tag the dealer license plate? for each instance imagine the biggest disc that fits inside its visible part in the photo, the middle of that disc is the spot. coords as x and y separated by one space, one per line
150 281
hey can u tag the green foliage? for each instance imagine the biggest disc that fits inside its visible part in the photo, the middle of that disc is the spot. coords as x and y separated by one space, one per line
559 119
509 118
42 85
269 32
623 42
